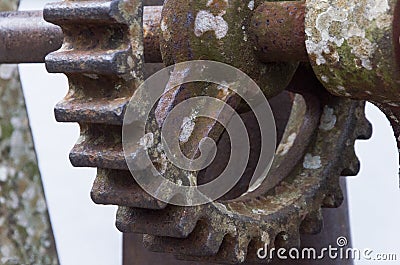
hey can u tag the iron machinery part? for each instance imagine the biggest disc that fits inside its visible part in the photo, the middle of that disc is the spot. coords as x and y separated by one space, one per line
354 50
102 56
26 37
231 230
280 33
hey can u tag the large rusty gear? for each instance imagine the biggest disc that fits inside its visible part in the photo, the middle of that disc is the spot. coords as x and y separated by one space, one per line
102 56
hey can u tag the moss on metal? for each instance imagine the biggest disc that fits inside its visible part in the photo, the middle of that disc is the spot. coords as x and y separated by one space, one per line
26 236
353 47
219 30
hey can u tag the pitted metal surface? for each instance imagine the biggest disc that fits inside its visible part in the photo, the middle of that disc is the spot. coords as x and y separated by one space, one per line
103 57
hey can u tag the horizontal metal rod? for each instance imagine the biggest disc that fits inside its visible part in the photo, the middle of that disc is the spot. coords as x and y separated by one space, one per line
279 31
25 37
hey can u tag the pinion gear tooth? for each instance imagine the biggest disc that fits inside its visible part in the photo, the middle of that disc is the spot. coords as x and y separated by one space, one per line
233 250
103 58
352 166
334 197
82 11
312 223
173 221
106 62
99 146
203 241
118 187
288 239
100 111
363 128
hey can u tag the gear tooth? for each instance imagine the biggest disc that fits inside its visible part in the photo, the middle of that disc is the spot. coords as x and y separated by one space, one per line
100 111
288 239
352 164
69 13
232 251
99 146
173 221
312 223
334 198
363 129
102 57
156 244
106 62
203 241
118 187
253 248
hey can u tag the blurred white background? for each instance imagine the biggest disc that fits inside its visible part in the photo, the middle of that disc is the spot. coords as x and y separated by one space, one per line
85 232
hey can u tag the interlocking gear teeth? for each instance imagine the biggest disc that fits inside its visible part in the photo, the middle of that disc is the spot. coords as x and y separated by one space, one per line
278 218
102 56
226 232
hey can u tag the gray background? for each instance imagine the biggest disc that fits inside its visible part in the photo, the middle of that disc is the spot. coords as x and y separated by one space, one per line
85 232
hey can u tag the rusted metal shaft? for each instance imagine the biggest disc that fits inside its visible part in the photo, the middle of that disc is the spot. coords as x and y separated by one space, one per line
279 31
278 28
25 37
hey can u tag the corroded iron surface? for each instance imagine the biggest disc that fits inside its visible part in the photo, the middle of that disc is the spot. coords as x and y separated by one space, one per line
26 38
354 49
103 56
220 31
231 231
26 236
278 29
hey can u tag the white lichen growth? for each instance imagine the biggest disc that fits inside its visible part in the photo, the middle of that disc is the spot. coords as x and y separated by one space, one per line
187 128
328 119
330 25
206 21
251 5
223 209
283 148
265 237
312 162
147 141
341 88
325 78
164 29
258 211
